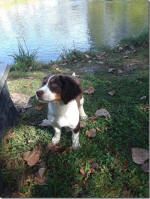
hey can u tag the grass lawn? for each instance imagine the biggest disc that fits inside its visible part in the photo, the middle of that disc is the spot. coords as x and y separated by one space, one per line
103 166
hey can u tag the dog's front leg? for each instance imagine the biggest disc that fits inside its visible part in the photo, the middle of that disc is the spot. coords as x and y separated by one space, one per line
56 138
75 140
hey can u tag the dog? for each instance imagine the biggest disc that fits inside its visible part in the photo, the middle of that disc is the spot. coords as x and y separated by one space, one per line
65 105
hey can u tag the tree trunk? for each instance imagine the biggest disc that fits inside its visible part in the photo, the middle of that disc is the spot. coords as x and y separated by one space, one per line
8 112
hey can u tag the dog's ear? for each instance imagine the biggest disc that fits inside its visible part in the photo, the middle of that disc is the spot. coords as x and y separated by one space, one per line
70 89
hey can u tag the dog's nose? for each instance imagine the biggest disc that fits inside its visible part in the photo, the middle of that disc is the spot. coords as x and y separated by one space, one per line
39 93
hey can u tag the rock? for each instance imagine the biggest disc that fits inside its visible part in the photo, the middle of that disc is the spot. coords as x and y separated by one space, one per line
139 155
103 112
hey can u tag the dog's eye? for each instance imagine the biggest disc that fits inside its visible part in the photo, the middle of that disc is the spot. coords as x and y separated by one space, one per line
54 88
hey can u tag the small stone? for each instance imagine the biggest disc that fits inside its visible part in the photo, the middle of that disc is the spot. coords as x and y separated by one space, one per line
143 98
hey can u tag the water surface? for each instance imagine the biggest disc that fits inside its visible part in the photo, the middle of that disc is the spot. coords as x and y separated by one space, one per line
52 26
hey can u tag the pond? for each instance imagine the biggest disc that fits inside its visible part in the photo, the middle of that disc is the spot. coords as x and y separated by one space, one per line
52 26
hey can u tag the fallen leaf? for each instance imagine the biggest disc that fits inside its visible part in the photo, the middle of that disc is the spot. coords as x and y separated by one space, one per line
112 93
94 165
120 71
31 78
100 62
120 48
125 57
45 123
91 133
91 171
82 124
63 64
30 68
40 180
82 172
102 170
30 141
69 149
87 56
98 129
75 186
143 98
55 67
39 107
54 148
18 195
27 106
92 118
89 90
139 155
111 70
145 167
103 112
32 157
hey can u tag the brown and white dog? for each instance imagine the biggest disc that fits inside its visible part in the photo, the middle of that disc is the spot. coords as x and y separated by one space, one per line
65 105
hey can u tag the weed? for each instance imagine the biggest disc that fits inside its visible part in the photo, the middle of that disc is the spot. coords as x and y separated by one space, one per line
24 59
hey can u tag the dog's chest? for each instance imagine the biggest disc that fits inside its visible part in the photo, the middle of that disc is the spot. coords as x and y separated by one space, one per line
63 115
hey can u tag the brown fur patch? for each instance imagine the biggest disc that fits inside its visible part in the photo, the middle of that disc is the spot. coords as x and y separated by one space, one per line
57 97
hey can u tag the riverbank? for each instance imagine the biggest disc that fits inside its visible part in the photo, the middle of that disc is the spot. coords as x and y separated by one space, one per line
103 166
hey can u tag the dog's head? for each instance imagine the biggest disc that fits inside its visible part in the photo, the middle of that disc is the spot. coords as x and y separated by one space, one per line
58 88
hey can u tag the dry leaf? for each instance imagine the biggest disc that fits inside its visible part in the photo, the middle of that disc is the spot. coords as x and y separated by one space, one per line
82 124
103 112
40 180
98 129
91 133
39 107
55 67
91 171
94 165
139 155
145 167
45 123
18 195
82 172
32 157
143 98
67 150
76 186
111 70
112 92
120 71
54 148
89 90
92 118
87 56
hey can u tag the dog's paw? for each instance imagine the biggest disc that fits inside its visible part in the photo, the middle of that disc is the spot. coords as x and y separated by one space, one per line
83 117
55 140
76 146
45 123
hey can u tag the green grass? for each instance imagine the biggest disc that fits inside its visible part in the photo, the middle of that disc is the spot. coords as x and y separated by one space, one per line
117 175
111 148
141 39
24 59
